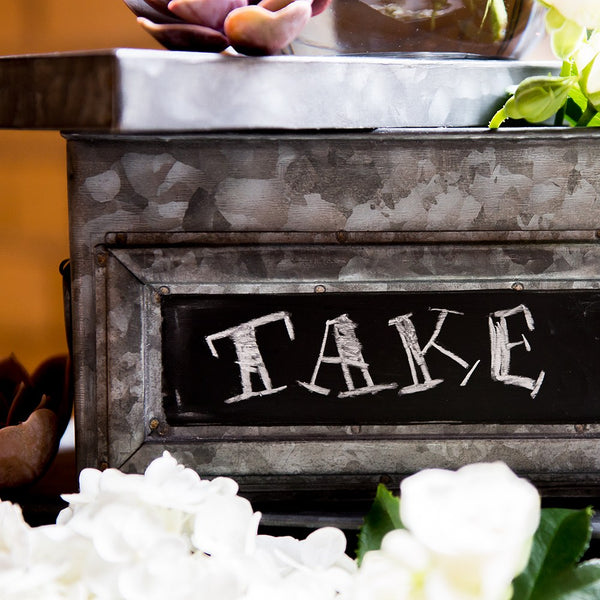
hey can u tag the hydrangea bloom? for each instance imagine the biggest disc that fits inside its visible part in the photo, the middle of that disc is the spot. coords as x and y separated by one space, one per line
164 534
250 27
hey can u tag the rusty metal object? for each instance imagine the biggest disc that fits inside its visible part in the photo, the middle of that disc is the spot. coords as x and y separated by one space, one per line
34 412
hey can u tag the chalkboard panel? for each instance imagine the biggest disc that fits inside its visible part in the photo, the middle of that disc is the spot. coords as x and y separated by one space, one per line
382 358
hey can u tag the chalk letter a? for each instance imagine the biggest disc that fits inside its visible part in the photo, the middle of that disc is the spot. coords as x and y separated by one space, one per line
349 354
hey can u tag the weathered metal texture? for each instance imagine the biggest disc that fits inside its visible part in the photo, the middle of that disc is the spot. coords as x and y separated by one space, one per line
430 210
127 90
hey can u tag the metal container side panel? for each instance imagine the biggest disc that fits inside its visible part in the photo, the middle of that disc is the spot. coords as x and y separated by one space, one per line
417 186
426 181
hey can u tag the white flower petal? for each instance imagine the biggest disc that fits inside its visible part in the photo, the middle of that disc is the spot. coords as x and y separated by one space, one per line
323 548
585 13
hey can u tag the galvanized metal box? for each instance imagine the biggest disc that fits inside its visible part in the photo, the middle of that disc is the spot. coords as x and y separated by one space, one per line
313 284
505 224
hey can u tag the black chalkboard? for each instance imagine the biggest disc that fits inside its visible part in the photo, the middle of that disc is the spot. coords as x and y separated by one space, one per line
254 359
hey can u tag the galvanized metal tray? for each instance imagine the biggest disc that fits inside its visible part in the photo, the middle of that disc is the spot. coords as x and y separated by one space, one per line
127 90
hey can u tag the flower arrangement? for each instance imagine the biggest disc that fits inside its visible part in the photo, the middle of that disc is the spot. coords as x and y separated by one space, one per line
168 533
573 96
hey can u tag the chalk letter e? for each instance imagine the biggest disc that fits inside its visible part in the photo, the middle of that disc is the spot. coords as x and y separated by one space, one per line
501 347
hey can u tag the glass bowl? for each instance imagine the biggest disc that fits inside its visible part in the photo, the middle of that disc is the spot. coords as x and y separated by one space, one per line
477 28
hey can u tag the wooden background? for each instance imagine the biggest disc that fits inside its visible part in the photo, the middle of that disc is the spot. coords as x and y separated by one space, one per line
33 197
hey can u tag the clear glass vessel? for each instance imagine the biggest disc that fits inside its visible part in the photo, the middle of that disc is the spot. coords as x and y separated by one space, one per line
479 28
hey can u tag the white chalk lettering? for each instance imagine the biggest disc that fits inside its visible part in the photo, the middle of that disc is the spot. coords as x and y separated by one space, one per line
349 354
248 354
416 354
501 348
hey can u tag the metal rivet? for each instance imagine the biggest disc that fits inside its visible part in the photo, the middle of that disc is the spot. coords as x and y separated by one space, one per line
517 286
163 290
103 466
355 428
598 233
341 236
101 258
579 428
154 423
121 238
319 289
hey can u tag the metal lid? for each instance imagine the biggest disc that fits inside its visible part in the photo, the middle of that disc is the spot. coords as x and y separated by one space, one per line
127 90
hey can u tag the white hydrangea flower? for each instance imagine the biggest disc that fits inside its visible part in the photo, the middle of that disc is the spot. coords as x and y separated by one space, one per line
225 525
42 563
15 546
319 561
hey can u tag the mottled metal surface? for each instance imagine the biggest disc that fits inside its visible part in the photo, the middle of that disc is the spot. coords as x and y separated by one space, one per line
126 90
465 209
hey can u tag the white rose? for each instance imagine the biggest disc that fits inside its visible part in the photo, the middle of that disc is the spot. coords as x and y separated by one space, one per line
395 572
477 523
586 13
588 64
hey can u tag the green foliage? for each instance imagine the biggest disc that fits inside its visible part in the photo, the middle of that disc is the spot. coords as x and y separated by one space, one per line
573 96
536 99
384 516
552 573
581 583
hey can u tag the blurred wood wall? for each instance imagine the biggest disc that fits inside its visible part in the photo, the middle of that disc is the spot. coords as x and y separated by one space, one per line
33 196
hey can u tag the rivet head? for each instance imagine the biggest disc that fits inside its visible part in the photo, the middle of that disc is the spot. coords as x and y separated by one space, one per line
579 428
103 466
154 423
164 290
320 289
101 258
517 286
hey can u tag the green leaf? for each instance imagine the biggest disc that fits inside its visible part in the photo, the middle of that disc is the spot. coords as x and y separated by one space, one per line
581 583
572 112
577 96
559 543
594 121
498 119
384 516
